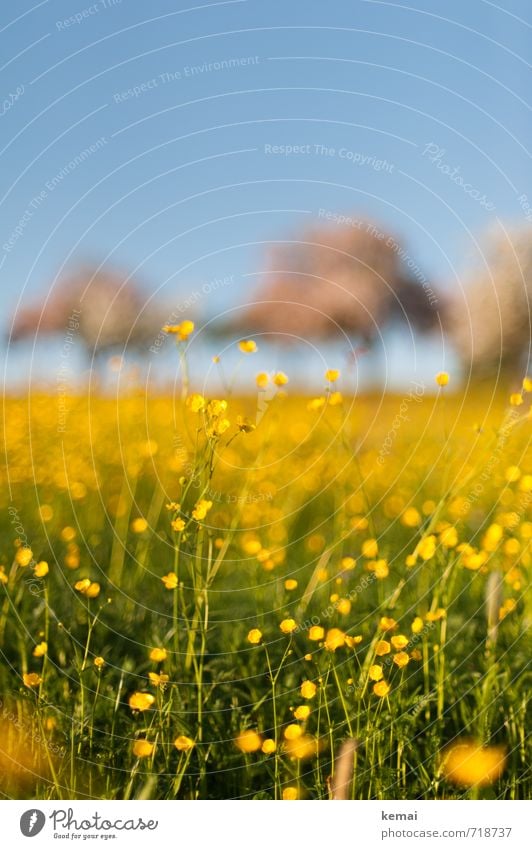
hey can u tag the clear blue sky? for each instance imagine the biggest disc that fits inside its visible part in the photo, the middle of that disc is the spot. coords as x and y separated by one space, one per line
180 186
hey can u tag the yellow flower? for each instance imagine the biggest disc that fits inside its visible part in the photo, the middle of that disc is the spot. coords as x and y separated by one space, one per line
316 404
247 346
343 606
348 563
262 379
269 747
170 580
381 689
280 378
316 632
382 648
516 399
40 649
351 642
24 556
300 747
411 518
335 639
435 615
332 375
370 548
302 713
93 590
292 732
184 743
196 402
290 584
442 378
158 680
290 794
527 384
386 623
182 331
426 547
335 398
3 577
379 568
178 525
31 679
87 587
201 509
308 689
449 537
401 659
399 642
41 569
248 741
375 672
158 655
142 748
141 701
254 636
138 526
99 662
288 626
469 764
216 359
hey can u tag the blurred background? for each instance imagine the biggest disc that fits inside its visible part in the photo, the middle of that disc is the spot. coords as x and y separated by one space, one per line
349 183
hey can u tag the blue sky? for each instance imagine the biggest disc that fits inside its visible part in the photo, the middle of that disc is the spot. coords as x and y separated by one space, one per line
185 100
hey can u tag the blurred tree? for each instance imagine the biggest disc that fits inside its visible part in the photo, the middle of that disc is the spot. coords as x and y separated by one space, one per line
490 322
106 307
342 279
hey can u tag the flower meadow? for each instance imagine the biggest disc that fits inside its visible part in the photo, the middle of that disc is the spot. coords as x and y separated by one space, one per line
250 594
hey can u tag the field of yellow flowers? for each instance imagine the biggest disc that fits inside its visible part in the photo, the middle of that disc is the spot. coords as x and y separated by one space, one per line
214 597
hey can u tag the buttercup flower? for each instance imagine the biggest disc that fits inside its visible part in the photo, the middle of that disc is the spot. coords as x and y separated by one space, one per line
401 659
302 713
158 679
142 748
254 636
308 689
201 509
332 375
316 632
158 655
141 701
288 626
469 764
335 639
381 689
442 378
31 679
280 378
170 580
399 641
247 346
41 569
181 331
248 741
375 672
290 794
40 649
269 747
382 648
184 743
